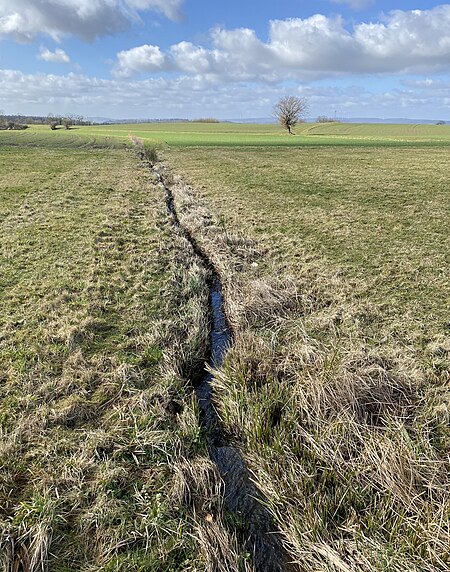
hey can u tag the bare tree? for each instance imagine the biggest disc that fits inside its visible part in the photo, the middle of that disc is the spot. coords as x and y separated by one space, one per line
326 119
53 121
290 110
67 122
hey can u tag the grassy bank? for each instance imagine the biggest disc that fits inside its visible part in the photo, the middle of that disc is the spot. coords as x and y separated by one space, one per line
103 464
335 264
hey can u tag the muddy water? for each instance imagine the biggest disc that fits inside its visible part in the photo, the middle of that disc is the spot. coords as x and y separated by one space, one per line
220 341
241 496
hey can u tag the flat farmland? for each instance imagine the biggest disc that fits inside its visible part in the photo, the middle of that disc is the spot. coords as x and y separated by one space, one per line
378 215
337 272
332 247
188 134
98 431
236 134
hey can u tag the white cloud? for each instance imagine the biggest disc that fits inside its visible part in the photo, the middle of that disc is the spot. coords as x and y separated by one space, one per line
144 58
58 56
23 20
408 39
236 55
319 46
190 58
156 97
199 97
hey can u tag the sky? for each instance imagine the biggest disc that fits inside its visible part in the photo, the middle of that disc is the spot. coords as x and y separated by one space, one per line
228 59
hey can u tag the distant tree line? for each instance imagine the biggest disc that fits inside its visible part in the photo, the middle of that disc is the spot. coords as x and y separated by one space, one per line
326 119
19 121
12 122
65 121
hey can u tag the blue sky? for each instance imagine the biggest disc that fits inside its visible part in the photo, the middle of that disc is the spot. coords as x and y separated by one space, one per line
192 58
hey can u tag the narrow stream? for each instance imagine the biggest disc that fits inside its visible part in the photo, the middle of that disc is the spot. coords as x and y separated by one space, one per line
241 496
220 341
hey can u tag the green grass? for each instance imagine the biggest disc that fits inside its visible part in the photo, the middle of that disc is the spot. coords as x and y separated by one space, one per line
379 215
333 250
97 420
335 261
381 132
234 134
42 137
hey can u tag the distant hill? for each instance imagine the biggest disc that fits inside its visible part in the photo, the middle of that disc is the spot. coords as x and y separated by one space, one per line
271 120
396 120
389 120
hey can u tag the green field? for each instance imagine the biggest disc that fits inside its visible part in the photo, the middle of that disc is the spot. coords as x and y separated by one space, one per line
99 433
229 134
379 216
234 134
333 247
336 258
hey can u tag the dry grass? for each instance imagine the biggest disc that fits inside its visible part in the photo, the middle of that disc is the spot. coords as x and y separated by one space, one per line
103 317
336 389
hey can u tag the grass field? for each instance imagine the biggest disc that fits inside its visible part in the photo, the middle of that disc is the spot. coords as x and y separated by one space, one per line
337 269
229 134
378 216
99 432
191 134
333 249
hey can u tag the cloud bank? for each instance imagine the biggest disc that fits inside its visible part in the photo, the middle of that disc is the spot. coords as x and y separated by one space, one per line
23 20
414 41
193 96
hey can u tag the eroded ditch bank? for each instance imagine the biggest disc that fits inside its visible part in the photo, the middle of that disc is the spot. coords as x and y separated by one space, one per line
261 538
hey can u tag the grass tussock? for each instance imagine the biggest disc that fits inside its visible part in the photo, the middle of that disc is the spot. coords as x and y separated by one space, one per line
345 433
102 322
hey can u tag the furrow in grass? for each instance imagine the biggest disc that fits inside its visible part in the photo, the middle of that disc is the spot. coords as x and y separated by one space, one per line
103 464
241 497
345 434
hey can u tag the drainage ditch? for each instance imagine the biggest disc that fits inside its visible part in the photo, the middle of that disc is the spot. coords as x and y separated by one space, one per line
262 539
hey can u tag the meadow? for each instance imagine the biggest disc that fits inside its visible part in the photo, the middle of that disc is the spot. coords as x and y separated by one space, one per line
333 249
192 134
232 134
100 434
337 386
